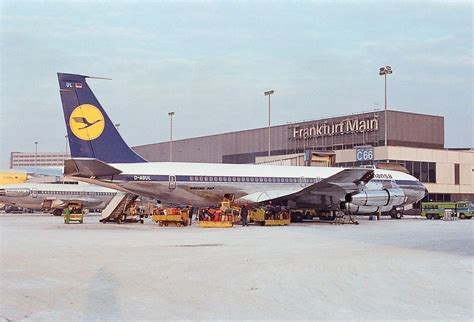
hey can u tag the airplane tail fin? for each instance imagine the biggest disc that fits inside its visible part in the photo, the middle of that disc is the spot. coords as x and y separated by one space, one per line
90 131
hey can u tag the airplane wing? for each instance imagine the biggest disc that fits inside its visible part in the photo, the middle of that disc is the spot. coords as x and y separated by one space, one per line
328 191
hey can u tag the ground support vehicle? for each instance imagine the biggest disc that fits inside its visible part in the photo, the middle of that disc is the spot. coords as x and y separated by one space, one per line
215 218
13 209
298 215
74 217
73 213
118 208
437 210
263 217
132 215
343 218
216 224
229 208
171 217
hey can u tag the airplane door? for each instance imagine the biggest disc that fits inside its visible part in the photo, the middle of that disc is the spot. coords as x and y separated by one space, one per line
34 193
172 182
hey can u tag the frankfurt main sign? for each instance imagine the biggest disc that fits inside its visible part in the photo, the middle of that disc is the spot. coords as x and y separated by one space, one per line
345 126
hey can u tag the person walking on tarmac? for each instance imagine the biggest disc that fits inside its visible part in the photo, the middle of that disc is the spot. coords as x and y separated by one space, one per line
244 213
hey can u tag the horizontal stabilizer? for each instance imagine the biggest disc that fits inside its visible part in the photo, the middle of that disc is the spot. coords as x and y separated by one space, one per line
89 168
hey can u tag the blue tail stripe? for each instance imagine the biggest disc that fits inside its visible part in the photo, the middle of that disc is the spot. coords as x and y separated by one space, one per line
108 146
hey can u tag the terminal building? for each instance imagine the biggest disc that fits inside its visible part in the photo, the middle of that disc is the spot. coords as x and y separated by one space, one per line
414 141
40 159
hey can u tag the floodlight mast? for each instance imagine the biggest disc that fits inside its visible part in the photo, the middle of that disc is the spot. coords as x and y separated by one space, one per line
268 93
385 71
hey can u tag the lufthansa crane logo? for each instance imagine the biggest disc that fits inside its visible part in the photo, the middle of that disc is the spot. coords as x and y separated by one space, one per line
86 122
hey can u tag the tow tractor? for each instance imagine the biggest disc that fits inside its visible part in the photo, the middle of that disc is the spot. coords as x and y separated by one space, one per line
268 217
73 213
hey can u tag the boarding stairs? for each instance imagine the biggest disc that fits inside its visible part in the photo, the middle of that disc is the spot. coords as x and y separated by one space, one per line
117 206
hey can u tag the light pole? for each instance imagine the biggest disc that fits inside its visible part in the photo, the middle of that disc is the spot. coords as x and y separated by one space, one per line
66 137
268 93
171 135
36 152
384 71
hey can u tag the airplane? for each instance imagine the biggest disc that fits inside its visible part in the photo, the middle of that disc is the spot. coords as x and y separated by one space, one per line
11 176
55 196
101 156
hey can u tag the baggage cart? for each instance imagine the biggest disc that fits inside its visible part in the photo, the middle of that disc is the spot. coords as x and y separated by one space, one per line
171 217
262 218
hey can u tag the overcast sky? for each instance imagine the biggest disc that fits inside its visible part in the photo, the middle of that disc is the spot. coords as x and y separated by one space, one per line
211 61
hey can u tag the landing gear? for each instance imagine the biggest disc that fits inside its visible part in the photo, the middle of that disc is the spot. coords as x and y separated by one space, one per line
396 214
296 216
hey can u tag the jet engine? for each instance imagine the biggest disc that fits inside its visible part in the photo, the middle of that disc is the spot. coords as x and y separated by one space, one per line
385 197
355 209
14 192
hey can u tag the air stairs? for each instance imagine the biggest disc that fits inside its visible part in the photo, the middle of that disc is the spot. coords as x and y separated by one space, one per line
117 206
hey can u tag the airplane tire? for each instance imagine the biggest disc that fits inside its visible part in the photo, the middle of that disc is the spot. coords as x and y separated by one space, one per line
296 216
398 215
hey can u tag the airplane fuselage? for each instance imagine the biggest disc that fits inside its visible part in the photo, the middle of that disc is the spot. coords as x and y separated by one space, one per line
38 195
206 184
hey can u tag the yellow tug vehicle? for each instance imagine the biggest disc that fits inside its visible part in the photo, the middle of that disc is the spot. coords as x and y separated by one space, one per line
266 217
73 213
171 217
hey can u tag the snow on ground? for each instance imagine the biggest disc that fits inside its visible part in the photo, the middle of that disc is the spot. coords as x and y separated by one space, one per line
388 269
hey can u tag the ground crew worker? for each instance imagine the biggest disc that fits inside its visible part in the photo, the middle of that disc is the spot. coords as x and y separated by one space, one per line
244 213
67 214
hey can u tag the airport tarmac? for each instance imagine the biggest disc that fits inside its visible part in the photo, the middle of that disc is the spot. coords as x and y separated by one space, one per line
390 269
